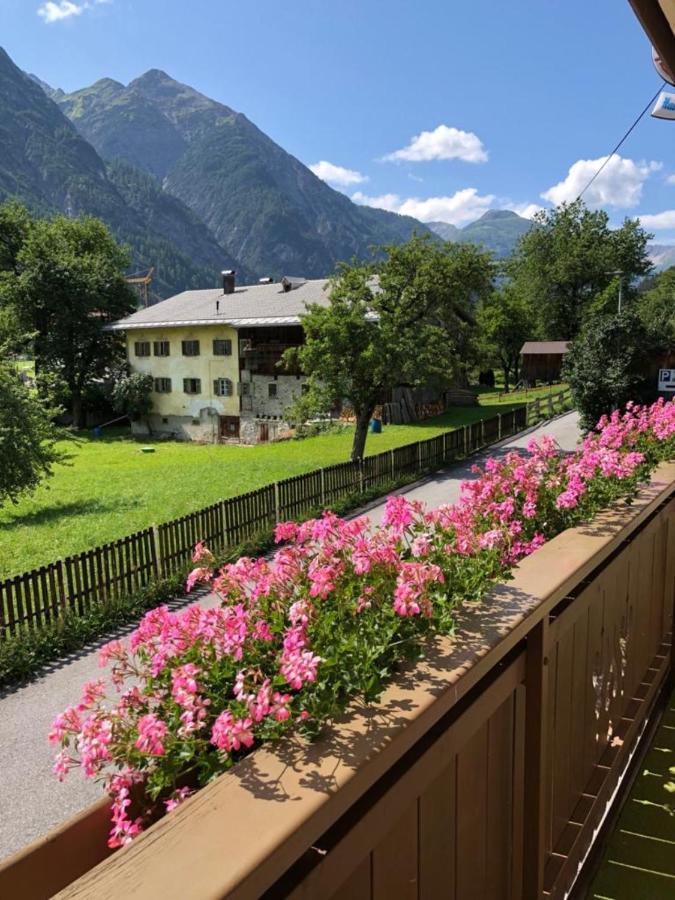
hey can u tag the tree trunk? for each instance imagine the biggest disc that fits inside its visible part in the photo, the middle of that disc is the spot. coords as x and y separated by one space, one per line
507 372
361 433
77 409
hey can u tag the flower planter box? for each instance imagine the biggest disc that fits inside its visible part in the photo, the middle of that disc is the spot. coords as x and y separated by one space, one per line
483 772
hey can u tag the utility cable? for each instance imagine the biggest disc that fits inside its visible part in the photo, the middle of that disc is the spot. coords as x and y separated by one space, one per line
618 146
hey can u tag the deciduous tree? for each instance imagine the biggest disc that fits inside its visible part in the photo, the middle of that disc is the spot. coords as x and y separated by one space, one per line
27 436
67 285
398 325
504 324
569 258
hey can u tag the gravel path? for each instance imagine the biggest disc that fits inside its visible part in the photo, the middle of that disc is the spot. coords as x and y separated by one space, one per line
31 800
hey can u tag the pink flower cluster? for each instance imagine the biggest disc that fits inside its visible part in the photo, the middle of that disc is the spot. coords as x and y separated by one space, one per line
329 616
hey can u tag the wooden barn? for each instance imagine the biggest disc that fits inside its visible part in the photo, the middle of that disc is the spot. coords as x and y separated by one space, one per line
542 360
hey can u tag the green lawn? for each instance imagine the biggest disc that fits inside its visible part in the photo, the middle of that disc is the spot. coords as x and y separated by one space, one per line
109 488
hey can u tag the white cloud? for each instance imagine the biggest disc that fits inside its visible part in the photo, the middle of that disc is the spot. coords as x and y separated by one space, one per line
64 9
462 207
670 179
333 174
526 210
662 221
442 143
57 10
619 184
389 202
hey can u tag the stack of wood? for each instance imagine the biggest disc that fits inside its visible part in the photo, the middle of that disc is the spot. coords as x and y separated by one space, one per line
429 410
400 412
457 396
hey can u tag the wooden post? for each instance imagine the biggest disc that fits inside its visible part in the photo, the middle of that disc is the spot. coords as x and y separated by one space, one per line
499 426
156 551
393 466
276 501
537 786
419 456
482 432
466 450
323 487
445 445
550 405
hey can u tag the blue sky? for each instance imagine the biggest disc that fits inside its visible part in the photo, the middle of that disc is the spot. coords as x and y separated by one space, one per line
439 109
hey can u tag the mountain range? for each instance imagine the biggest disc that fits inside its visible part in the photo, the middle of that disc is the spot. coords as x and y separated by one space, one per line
498 230
191 185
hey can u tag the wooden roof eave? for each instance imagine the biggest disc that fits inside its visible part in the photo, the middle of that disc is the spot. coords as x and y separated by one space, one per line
657 20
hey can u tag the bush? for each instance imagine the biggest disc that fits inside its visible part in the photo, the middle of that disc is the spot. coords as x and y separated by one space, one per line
608 365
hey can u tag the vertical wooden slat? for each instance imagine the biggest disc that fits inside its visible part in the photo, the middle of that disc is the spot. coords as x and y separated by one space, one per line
395 861
499 802
438 837
472 788
359 884
537 783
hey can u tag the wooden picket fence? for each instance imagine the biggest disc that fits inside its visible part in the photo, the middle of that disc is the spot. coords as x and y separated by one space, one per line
120 568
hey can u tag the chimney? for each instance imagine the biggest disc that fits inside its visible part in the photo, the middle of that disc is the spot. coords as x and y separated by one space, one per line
228 280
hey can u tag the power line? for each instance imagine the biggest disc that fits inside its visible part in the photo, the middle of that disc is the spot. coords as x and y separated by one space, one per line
616 149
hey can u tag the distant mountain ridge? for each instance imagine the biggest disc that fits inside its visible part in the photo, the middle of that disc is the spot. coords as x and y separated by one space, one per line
46 164
497 230
263 206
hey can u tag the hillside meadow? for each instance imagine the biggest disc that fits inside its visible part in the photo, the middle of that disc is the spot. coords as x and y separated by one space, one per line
108 487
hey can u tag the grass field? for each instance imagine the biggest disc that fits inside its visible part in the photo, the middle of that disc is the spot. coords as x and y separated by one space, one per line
109 488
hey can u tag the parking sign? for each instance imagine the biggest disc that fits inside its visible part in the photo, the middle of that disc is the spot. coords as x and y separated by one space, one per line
667 380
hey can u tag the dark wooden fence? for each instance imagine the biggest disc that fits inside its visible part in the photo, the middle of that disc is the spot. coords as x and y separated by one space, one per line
118 569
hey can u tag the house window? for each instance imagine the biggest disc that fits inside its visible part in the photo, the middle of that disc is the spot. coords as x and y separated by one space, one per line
142 348
222 347
272 390
192 385
222 387
245 388
162 385
190 348
161 348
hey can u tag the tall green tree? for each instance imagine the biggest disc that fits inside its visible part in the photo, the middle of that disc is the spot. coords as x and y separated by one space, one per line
656 307
27 436
608 364
399 328
504 324
67 284
569 258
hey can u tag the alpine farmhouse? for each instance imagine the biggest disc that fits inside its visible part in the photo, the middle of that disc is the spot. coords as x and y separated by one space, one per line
213 357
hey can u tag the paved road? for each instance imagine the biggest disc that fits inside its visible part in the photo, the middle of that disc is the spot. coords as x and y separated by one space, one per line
31 800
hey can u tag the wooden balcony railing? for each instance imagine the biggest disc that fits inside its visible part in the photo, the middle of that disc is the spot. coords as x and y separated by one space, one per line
483 772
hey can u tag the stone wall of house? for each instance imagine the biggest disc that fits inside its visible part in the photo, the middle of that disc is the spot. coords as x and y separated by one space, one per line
203 428
252 429
288 389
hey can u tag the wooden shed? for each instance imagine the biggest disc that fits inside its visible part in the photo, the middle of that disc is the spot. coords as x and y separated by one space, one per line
542 360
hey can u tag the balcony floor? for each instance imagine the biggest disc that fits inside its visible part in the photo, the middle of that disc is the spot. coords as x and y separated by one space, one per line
639 863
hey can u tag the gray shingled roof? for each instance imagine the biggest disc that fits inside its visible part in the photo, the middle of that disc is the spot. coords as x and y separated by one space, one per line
248 306
545 347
